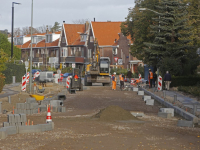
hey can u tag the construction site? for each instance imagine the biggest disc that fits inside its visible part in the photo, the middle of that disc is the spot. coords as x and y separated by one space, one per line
95 118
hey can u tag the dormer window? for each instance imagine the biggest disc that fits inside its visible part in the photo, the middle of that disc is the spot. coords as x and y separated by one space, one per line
48 38
83 37
18 41
37 39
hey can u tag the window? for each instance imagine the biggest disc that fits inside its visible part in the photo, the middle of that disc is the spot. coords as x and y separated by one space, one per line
36 39
48 38
64 52
18 41
63 39
82 52
91 39
114 51
89 53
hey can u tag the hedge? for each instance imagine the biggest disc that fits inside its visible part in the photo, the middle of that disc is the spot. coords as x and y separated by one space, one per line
185 81
2 82
16 70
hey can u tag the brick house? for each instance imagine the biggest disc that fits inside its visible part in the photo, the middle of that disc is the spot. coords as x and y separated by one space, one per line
114 44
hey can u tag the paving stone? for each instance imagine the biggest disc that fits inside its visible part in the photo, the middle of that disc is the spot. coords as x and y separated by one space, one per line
145 97
16 111
140 92
6 124
135 89
29 129
164 115
185 123
18 124
30 100
56 103
45 102
27 105
23 123
168 110
17 118
9 130
22 106
3 134
137 113
12 124
59 109
28 111
63 109
149 102
54 109
18 105
46 127
11 118
34 105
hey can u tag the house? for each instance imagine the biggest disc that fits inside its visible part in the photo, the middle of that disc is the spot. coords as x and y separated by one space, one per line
114 44
45 48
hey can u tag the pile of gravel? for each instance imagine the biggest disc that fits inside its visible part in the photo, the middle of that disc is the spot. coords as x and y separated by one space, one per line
112 113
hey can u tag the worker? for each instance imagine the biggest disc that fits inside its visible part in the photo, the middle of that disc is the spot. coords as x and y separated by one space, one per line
167 80
114 79
129 75
150 78
121 78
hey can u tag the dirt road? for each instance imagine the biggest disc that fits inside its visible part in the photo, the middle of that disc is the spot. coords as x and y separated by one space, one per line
78 130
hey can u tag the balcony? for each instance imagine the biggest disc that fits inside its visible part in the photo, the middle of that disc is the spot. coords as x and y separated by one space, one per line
37 59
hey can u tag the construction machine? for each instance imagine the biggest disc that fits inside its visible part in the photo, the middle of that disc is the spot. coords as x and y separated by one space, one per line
98 71
75 81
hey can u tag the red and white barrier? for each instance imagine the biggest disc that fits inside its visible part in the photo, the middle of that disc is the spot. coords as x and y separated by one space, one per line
68 82
37 74
27 77
140 76
159 83
132 81
24 83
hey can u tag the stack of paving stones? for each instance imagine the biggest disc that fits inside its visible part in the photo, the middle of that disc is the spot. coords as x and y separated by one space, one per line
16 124
30 107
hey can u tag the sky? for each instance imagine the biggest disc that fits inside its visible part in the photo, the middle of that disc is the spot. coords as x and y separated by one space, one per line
47 12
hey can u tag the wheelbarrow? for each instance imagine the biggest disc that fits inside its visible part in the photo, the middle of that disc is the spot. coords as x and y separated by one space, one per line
37 97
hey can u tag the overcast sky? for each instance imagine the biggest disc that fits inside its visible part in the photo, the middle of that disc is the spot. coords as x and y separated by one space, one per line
46 12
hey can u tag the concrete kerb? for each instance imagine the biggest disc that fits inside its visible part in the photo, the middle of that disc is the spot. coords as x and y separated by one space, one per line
177 110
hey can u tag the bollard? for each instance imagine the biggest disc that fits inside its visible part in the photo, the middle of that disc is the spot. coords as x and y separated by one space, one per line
13 79
175 98
164 94
0 108
9 100
194 109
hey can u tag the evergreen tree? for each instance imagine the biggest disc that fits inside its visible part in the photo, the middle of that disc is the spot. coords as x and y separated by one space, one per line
172 38
56 27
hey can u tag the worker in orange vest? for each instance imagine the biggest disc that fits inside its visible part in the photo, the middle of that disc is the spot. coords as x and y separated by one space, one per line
121 78
114 81
150 78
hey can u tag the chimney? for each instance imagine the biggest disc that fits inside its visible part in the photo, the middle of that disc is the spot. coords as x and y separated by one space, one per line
47 31
94 19
63 21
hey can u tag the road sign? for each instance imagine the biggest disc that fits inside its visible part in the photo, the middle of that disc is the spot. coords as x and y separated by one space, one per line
120 61
116 59
73 65
26 63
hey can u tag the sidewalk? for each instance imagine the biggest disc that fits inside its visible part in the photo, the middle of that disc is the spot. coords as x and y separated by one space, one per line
8 91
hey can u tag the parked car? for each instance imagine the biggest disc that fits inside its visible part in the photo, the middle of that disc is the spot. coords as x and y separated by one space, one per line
65 75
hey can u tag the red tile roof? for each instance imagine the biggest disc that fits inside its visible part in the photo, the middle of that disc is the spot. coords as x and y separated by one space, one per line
107 32
73 31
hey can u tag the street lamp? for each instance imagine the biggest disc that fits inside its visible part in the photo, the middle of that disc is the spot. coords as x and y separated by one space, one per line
31 52
143 9
13 26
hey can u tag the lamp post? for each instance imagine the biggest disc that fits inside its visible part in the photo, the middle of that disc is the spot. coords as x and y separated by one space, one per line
143 9
13 27
31 52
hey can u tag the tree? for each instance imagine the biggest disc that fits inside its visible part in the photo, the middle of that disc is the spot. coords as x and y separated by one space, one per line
3 60
80 21
137 26
6 46
56 27
172 38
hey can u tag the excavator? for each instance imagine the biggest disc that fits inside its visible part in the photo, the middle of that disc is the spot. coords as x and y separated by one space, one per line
98 71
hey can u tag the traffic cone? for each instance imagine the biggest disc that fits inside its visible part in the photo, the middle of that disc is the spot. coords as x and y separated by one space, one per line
48 119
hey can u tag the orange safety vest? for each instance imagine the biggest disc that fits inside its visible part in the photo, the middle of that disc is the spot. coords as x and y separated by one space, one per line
121 78
151 75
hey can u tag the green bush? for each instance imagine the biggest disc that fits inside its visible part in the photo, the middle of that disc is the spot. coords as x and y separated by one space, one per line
2 81
118 71
14 70
185 81
193 90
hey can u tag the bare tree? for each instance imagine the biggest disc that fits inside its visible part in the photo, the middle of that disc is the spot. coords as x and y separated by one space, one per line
17 32
80 21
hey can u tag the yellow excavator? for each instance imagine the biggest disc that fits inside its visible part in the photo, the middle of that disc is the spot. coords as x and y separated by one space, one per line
98 71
